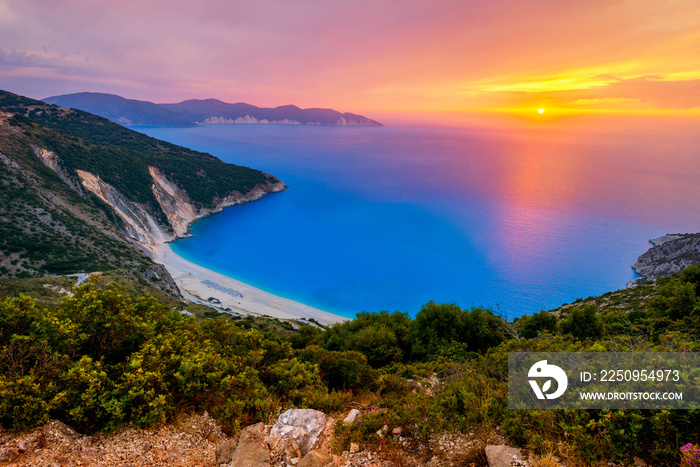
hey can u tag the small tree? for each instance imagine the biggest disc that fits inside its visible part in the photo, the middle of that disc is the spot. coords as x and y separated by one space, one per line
582 322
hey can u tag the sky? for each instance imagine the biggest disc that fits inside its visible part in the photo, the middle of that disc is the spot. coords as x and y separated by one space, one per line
373 57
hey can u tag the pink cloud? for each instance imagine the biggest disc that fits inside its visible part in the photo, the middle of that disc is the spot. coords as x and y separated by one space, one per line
329 53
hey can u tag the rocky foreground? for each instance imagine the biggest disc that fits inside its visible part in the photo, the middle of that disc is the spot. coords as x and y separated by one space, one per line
301 438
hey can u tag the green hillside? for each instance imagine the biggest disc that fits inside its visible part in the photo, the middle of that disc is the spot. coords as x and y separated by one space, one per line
46 227
121 156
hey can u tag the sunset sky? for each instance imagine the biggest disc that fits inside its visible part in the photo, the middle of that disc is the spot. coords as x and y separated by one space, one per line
375 57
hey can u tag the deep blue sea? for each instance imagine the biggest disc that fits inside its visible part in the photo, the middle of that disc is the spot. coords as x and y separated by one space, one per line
390 218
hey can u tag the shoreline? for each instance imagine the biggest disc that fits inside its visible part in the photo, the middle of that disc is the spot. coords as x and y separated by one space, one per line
197 284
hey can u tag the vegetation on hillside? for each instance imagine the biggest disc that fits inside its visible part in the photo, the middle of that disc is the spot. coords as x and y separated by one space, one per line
121 156
46 227
101 359
49 225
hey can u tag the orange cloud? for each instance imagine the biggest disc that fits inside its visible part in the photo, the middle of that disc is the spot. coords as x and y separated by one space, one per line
367 56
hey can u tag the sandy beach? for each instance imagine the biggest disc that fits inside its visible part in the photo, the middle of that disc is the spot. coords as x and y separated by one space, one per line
198 284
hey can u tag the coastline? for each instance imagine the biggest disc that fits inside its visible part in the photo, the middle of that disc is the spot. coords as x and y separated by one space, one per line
198 283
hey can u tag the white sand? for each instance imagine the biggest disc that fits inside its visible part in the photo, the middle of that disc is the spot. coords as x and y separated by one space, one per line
189 277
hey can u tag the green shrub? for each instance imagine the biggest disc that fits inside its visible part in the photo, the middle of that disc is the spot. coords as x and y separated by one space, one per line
381 337
437 326
530 326
582 322
341 370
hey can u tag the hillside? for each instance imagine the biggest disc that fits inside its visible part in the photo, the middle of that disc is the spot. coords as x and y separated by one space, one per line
48 226
135 112
120 110
83 193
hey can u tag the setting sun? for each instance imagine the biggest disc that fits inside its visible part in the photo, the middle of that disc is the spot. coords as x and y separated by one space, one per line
540 111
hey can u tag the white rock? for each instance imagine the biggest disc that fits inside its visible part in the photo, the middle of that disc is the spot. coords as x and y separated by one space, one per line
351 416
302 425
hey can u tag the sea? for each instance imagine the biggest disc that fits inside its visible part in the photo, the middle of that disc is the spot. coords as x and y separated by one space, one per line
518 218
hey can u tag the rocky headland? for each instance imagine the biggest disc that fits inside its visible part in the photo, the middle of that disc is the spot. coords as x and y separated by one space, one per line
669 255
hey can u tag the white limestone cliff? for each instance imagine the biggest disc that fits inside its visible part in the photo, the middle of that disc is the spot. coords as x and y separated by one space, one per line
180 209
174 201
250 119
141 225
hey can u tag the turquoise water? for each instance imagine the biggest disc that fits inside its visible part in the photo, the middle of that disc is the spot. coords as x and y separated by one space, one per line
391 218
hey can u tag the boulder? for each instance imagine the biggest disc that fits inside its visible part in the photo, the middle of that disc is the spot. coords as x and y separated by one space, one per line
304 426
224 451
252 449
316 459
503 456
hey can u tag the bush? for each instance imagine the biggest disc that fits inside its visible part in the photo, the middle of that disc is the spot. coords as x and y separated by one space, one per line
381 337
582 322
341 370
101 359
531 326
440 326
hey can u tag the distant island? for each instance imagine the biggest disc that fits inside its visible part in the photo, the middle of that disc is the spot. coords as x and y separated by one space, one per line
131 112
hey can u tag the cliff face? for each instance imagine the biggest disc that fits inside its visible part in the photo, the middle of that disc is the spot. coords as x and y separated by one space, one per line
175 202
216 111
251 120
144 228
669 255
141 225
180 209
52 161
248 119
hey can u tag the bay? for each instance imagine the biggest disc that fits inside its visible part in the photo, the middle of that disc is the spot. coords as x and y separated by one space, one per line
518 219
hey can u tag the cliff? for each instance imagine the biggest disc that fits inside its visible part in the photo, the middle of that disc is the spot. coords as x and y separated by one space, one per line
181 211
669 255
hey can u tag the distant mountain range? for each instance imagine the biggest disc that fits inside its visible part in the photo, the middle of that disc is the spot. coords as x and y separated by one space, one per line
191 112
119 110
